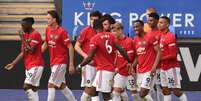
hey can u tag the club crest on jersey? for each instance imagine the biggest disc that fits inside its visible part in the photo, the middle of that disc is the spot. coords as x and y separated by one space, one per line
54 36
142 43
88 5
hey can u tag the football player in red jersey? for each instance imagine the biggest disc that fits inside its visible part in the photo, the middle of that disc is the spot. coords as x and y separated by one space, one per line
148 57
152 22
57 41
32 56
170 67
82 48
123 79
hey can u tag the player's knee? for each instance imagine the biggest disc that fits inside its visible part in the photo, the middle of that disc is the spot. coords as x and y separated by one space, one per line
63 85
177 92
133 91
27 86
119 90
166 91
90 90
106 96
50 85
143 92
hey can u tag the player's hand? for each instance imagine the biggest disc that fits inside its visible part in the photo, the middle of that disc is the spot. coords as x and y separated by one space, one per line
116 70
9 66
79 69
71 69
91 63
20 33
130 69
153 71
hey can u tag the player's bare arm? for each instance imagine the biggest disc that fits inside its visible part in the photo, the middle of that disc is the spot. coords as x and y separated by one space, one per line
71 56
14 62
134 65
79 50
89 57
157 60
44 47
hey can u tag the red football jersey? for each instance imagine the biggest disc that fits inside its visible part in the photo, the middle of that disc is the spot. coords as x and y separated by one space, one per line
121 63
85 36
144 47
57 41
32 59
104 43
155 33
168 47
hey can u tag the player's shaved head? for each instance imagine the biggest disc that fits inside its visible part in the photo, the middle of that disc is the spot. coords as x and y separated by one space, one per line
27 23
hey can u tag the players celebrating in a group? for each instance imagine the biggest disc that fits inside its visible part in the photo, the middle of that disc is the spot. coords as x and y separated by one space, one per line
103 48
32 56
107 54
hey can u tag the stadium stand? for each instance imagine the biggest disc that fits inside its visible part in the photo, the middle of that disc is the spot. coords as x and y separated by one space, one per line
12 11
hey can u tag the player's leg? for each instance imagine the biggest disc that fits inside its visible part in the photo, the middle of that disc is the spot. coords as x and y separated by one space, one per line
146 84
165 83
31 92
57 80
103 83
32 82
51 83
132 86
60 82
159 93
118 87
177 85
124 96
88 75
67 92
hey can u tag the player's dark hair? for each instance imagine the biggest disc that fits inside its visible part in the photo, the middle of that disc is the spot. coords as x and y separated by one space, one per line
96 13
97 24
54 14
166 18
140 21
28 20
154 15
109 18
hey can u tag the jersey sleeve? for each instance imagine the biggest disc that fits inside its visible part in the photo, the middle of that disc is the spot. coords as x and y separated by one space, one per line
153 40
65 38
93 42
35 39
172 42
82 38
